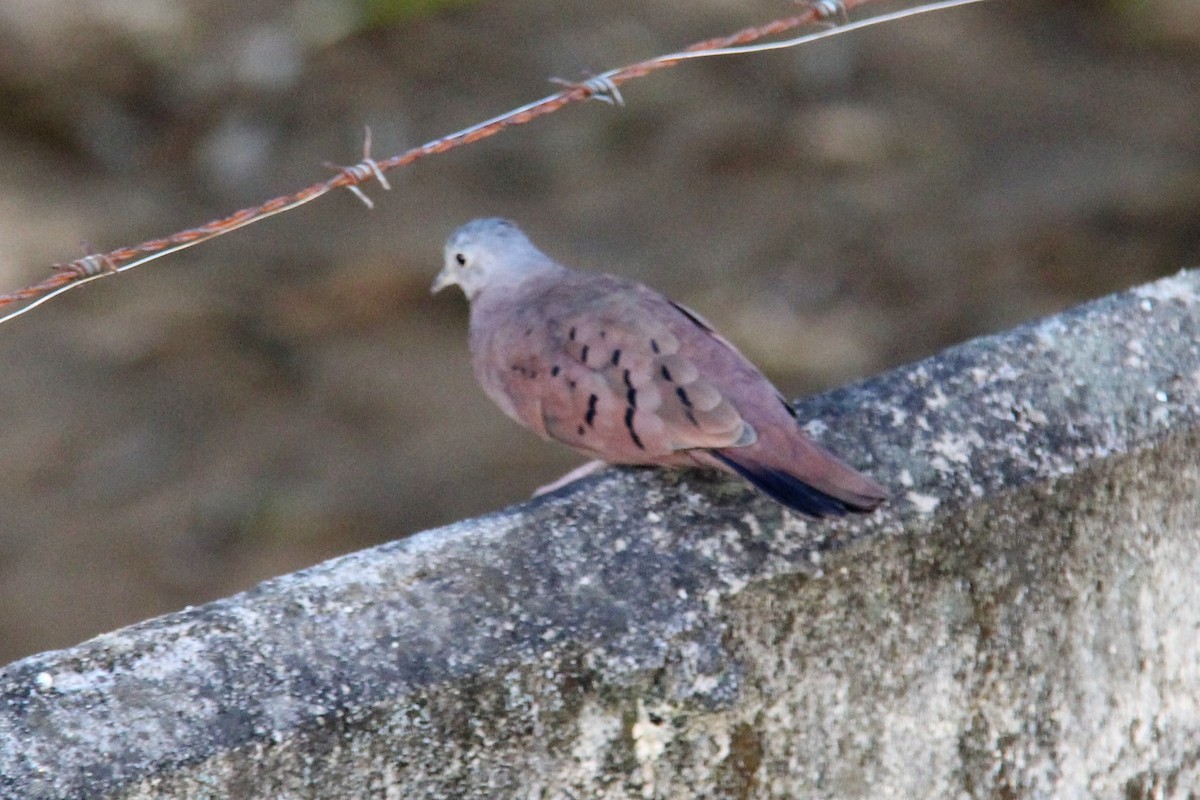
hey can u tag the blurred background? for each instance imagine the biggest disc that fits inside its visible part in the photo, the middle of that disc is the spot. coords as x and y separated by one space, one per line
291 391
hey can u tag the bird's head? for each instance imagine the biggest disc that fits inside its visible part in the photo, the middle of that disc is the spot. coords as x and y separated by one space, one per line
487 252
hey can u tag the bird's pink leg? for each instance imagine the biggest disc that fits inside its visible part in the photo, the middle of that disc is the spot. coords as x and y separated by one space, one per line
578 473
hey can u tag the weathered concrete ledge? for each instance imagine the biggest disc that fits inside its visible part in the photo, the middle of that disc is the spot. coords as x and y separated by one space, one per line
1023 620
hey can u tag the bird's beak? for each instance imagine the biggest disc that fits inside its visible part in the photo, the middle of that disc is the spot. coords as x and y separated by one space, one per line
443 280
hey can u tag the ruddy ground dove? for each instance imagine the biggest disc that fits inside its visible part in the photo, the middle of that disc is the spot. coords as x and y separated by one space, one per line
620 373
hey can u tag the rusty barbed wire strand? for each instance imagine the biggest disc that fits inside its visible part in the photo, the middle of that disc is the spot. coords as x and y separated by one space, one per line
92 266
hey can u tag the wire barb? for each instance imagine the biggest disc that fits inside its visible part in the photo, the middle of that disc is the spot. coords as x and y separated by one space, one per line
363 171
89 266
832 12
598 87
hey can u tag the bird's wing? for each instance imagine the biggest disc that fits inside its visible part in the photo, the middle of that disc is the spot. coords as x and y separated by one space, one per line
617 371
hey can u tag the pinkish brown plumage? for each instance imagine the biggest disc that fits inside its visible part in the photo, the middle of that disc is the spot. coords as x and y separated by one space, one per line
620 373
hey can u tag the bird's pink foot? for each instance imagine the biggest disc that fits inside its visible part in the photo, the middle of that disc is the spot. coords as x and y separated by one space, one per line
578 473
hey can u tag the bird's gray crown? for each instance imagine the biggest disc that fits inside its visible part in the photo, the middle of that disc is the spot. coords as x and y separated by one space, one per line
488 231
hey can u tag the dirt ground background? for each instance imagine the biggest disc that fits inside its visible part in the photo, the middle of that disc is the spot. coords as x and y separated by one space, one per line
292 392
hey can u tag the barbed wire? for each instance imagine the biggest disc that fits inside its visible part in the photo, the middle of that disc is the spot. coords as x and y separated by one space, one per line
834 14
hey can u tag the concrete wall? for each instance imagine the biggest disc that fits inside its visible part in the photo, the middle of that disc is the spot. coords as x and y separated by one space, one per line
1021 621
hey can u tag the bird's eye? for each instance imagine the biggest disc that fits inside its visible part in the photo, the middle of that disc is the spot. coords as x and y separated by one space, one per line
460 258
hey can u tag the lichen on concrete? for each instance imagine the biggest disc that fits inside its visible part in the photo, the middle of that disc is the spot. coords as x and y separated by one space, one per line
1020 621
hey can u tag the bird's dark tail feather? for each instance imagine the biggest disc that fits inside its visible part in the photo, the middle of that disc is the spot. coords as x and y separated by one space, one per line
790 490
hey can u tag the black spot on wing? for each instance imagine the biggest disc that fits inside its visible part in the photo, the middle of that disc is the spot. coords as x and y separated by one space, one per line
629 412
590 418
616 357
683 396
691 315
